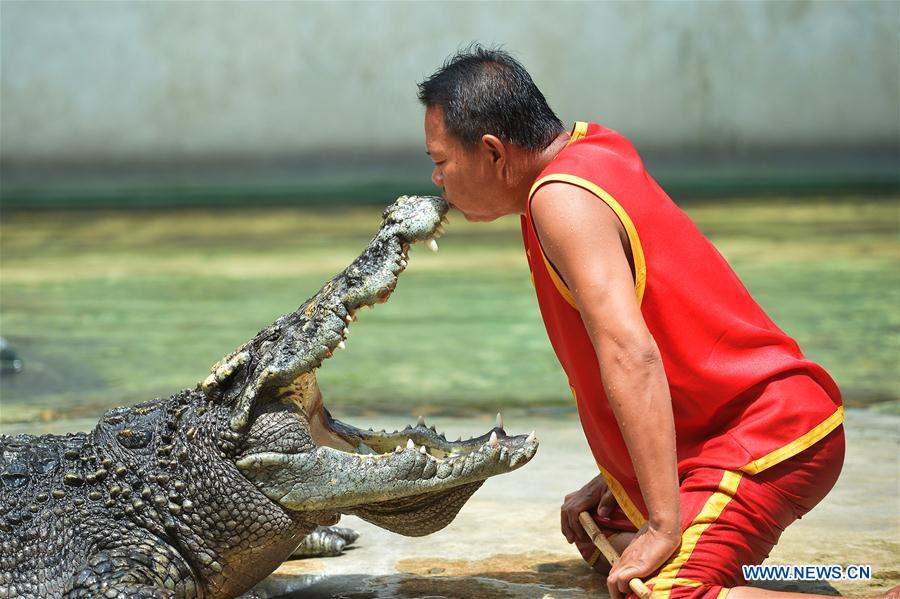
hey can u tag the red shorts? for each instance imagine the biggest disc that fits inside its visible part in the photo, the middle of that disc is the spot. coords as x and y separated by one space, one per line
731 519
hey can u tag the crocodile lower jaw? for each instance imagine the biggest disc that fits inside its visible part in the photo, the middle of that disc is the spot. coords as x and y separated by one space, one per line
333 479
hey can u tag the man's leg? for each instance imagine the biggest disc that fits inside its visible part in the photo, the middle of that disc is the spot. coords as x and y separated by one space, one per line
739 519
731 519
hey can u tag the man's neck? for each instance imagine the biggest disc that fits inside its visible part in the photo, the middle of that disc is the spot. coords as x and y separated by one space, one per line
536 164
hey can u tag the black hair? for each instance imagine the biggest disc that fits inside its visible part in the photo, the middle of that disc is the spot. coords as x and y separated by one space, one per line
487 91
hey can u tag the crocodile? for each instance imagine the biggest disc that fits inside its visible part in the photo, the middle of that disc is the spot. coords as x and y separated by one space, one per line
205 493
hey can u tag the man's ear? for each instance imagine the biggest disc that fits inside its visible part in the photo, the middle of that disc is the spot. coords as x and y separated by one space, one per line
495 149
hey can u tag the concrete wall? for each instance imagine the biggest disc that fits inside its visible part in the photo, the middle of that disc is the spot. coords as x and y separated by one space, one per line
108 82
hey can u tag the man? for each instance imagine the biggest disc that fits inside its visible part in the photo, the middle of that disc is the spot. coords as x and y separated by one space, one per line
711 430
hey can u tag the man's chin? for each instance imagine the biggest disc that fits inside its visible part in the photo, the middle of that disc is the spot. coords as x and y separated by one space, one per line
476 218
479 218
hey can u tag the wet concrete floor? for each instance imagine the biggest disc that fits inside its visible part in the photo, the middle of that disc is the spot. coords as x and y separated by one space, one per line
506 543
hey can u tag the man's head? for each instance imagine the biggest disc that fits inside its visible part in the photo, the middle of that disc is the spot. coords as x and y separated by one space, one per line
484 120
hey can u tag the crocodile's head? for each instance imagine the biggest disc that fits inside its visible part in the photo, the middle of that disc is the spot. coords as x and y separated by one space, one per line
284 441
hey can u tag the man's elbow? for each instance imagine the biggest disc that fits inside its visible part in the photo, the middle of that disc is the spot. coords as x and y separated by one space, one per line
635 356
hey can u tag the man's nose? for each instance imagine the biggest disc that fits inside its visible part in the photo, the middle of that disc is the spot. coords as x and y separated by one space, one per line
437 178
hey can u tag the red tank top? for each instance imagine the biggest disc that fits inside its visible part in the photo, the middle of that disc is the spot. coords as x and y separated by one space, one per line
743 395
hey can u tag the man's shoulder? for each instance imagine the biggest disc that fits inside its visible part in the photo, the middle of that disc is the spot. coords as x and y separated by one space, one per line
600 152
571 206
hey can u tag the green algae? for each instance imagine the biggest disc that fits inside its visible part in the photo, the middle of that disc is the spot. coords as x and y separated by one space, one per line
109 308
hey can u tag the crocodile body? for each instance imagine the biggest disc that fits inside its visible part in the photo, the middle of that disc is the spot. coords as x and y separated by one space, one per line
205 493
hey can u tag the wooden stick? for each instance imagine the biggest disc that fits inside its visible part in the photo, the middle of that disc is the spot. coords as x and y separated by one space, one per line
610 553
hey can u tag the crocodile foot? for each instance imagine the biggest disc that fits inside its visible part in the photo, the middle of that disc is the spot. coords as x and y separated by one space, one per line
325 541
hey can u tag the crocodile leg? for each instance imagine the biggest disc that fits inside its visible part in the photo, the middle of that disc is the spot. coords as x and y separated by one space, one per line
142 568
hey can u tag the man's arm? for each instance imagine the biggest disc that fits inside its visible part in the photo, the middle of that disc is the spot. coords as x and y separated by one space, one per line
586 242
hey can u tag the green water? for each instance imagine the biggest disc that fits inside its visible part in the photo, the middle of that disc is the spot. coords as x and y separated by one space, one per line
108 308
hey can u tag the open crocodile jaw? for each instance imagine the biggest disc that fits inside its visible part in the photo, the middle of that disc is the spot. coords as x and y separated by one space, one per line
352 467
347 469
412 482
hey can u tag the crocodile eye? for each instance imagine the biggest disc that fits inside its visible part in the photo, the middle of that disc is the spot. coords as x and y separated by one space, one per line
116 415
134 439
15 475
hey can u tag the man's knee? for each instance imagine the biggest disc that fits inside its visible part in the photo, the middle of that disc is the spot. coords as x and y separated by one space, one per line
690 590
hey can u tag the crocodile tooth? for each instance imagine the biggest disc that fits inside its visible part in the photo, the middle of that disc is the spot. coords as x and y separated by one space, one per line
445 220
348 318
432 244
444 469
410 444
433 428
531 438
423 451
345 332
404 263
499 421
494 442
398 449
342 345
421 421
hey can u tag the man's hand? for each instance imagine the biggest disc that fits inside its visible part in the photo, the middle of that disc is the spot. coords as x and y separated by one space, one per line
647 552
593 496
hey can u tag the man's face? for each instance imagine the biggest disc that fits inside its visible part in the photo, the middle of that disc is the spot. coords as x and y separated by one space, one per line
468 176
